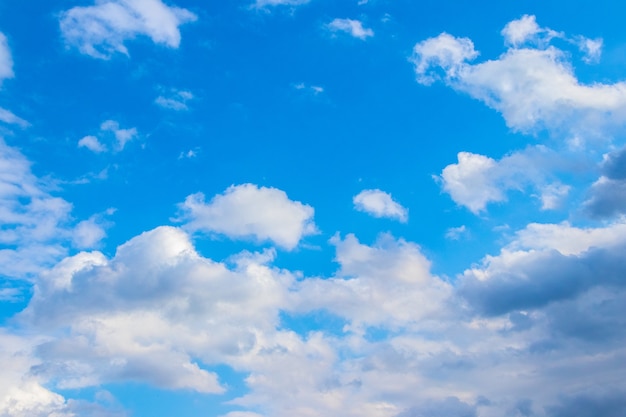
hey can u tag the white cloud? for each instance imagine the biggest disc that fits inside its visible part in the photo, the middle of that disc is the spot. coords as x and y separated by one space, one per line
455 233
249 211
259 4
592 48
101 30
8 117
313 89
353 27
477 180
388 283
92 143
22 393
122 136
6 60
533 87
121 311
380 204
175 101
36 226
443 51
111 132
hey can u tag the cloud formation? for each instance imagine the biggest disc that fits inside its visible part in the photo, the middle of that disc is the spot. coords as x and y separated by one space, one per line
352 27
380 204
111 132
35 225
248 211
532 84
477 180
102 30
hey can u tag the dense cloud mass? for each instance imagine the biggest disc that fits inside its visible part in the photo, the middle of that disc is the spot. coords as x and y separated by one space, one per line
274 307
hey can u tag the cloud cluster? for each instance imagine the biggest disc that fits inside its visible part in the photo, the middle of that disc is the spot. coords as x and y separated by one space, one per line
101 30
532 84
248 211
477 180
35 226
177 100
111 132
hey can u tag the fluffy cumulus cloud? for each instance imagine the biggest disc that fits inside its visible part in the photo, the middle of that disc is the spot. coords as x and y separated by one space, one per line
101 30
122 310
249 211
477 180
532 84
380 204
352 27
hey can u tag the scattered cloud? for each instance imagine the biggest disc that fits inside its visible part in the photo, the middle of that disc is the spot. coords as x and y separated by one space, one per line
101 30
260 4
177 100
110 131
37 227
455 233
6 59
8 117
122 136
249 211
352 27
313 89
380 204
533 86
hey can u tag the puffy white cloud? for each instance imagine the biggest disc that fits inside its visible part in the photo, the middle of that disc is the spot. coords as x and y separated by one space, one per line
521 30
444 51
175 101
353 27
6 59
380 204
123 311
21 392
477 180
533 88
387 284
248 211
101 30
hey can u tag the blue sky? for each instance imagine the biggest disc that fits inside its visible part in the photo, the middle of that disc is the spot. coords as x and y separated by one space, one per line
377 208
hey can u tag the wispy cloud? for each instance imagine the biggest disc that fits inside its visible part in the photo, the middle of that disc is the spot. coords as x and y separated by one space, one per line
352 27
101 30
